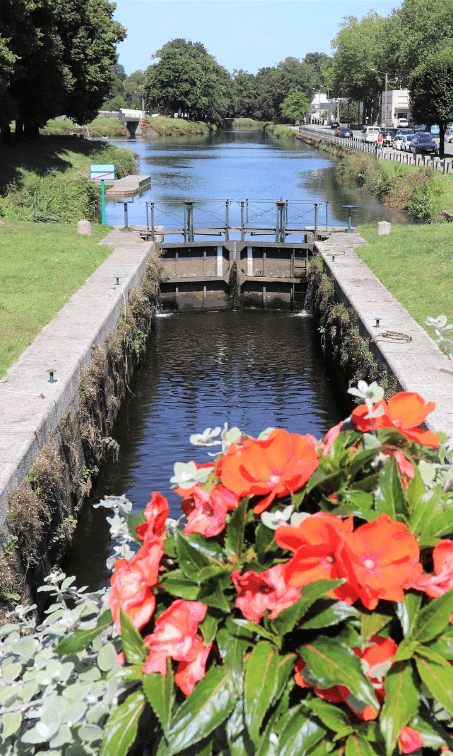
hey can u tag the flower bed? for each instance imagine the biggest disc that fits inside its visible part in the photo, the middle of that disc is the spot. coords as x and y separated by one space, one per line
302 605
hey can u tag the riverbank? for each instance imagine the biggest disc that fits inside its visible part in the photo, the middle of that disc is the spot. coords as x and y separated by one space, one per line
280 131
176 127
47 180
422 193
100 127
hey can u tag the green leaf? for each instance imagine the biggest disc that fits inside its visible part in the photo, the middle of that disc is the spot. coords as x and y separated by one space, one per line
360 460
210 703
289 617
234 540
211 593
300 733
357 503
433 618
82 639
389 496
209 547
135 650
331 716
132 521
443 644
440 524
178 585
371 622
265 539
407 611
159 691
437 674
406 650
259 685
121 727
401 701
358 745
422 511
210 623
330 663
431 732
248 625
333 613
191 560
237 736
11 723
285 668
232 649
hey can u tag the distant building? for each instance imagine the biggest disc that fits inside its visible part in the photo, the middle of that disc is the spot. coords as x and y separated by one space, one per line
395 104
322 110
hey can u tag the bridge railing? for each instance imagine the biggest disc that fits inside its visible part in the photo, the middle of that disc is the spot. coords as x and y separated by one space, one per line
247 217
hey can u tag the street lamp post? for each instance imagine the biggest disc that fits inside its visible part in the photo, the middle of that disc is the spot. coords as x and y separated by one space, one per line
386 87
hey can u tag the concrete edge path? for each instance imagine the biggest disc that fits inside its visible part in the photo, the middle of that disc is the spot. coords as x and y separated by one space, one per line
30 406
414 363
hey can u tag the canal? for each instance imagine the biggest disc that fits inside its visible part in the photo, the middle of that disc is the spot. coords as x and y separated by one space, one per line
250 369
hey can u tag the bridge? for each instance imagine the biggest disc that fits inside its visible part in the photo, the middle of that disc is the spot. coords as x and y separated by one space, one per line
133 120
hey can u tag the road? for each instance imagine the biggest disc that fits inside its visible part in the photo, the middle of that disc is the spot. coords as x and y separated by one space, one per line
358 134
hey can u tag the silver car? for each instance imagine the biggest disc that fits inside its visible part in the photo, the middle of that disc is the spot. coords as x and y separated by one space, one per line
404 142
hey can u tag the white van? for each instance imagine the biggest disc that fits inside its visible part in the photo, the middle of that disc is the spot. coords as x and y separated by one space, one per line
370 133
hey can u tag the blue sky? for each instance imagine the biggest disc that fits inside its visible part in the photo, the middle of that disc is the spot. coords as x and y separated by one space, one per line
248 34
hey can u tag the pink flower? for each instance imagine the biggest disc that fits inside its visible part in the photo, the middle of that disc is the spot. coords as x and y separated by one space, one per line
156 513
330 438
409 740
206 513
266 590
174 635
133 585
193 668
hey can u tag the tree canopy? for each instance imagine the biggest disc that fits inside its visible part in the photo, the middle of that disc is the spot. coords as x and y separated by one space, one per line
431 91
56 58
295 105
189 81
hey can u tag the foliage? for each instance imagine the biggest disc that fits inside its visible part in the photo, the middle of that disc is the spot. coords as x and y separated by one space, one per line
177 127
273 85
431 94
188 81
126 91
302 607
60 56
295 105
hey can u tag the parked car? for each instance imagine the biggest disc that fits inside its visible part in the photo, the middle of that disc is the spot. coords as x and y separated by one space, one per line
401 140
370 133
449 138
334 125
423 143
344 131
403 122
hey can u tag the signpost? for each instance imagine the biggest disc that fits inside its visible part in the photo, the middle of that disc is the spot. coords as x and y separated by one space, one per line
102 173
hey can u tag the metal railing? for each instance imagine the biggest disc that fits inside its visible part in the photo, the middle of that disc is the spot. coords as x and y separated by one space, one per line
211 217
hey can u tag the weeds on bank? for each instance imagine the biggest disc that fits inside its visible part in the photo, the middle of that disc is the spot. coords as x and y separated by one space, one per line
177 127
100 127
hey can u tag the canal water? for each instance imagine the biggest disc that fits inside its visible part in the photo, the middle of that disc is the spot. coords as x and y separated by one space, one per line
251 369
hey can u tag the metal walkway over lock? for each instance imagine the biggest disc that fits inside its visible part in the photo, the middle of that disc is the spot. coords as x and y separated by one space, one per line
209 217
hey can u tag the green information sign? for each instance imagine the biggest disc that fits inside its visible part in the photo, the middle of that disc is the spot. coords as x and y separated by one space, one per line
102 172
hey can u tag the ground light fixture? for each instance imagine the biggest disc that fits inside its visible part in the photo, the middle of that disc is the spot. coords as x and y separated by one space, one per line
52 378
378 322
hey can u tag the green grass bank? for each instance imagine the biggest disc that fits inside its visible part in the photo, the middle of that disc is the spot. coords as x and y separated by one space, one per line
176 127
100 127
47 180
41 267
246 123
280 131
420 192
415 262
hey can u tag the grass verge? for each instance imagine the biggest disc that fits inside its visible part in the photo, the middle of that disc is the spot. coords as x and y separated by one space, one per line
176 127
280 131
100 127
415 263
246 123
41 266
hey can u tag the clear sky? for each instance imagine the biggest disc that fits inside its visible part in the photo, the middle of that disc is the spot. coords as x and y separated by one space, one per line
248 34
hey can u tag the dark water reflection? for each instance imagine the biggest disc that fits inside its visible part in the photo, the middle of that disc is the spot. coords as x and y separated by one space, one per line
251 369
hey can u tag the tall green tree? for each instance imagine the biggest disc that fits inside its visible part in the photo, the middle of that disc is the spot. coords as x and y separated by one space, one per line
187 80
295 105
432 93
275 83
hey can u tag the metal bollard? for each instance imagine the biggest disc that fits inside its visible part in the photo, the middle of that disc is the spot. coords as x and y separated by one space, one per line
125 203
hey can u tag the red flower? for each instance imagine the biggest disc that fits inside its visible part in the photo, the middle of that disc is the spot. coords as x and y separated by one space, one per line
330 438
174 635
261 591
271 467
193 668
133 583
320 553
206 512
384 558
441 580
409 740
377 659
404 411
156 513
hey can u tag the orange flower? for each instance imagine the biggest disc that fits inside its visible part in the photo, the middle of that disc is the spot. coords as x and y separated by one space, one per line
441 580
133 583
193 667
404 411
174 635
156 513
409 740
384 558
261 591
319 546
270 467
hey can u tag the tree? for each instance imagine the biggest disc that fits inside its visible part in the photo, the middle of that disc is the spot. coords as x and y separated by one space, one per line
189 81
295 105
431 91
245 94
275 83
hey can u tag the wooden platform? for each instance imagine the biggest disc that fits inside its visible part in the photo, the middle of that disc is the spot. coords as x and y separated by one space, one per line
128 186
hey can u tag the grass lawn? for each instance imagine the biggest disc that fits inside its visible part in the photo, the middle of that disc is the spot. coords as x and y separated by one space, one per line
415 262
41 266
